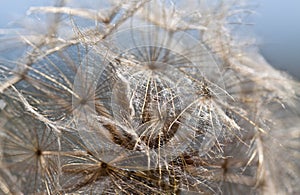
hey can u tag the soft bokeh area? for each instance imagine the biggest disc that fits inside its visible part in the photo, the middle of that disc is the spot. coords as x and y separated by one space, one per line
278 27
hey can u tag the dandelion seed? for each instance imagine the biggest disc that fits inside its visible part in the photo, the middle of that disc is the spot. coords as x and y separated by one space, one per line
23 154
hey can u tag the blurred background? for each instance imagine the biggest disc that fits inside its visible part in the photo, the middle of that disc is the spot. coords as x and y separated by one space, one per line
277 28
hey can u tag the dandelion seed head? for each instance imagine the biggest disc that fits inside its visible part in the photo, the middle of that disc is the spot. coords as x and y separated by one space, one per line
144 97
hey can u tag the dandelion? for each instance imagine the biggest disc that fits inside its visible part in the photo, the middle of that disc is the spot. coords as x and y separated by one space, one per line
144 97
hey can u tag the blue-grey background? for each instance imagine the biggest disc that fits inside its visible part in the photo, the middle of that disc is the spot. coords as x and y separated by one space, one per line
277 27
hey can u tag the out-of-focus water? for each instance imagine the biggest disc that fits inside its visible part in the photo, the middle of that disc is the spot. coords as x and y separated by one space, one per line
277 26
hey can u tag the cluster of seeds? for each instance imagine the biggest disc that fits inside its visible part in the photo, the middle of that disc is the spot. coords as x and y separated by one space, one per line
144 97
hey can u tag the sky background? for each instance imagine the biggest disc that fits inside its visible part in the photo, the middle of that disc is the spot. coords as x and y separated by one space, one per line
277 27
